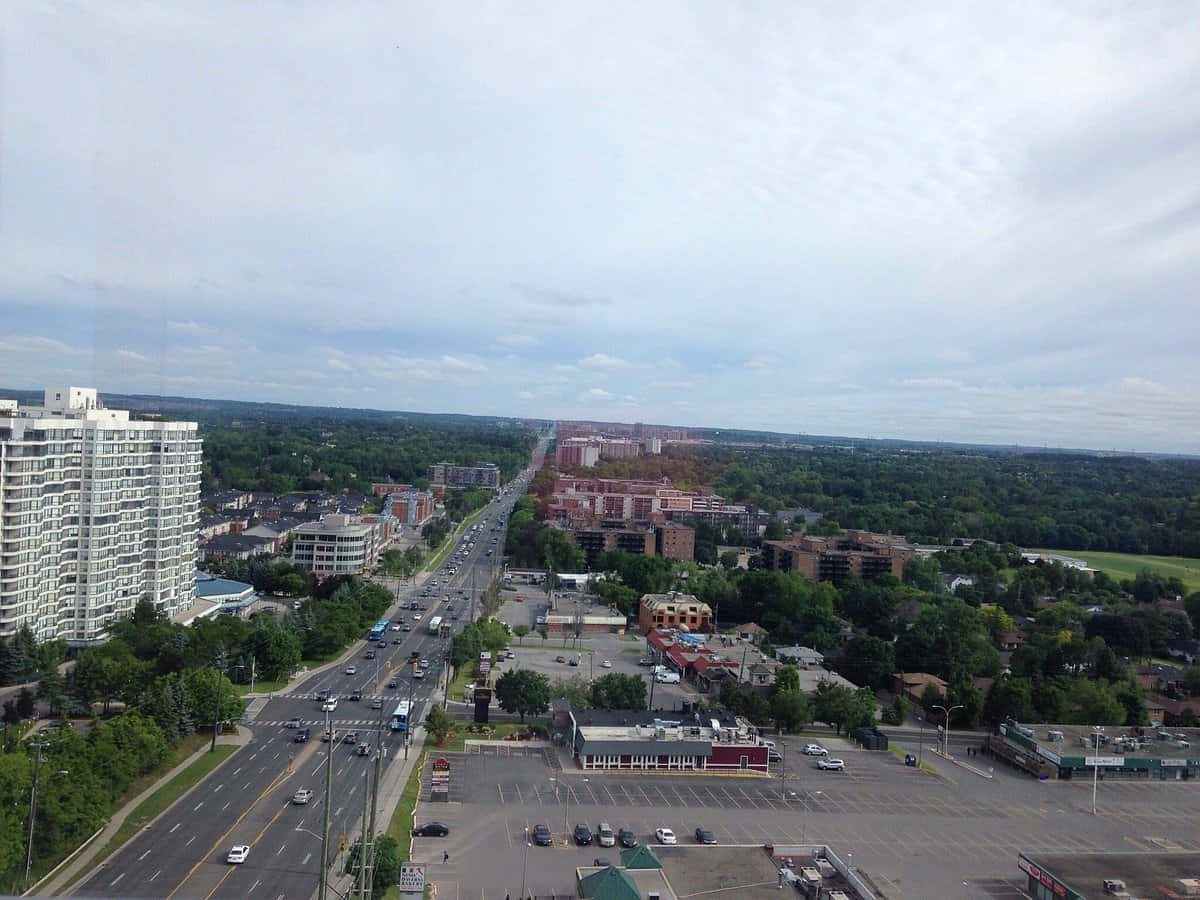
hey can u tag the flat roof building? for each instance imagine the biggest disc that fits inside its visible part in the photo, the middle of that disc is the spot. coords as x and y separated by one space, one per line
338 545
1084 876
859 553
482 474
674 610
645 740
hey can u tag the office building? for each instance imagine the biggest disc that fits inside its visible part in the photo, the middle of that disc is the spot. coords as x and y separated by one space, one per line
98 511
340 544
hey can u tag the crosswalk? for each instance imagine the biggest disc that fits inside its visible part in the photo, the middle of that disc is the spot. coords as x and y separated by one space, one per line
361 724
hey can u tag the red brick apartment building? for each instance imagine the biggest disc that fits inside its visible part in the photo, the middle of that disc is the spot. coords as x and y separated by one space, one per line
860 553
674 610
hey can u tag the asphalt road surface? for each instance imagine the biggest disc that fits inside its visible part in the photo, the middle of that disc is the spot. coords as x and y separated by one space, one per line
248 799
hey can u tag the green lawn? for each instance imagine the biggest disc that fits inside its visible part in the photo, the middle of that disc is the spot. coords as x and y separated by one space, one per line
459 742
261 687
166 794
400 827
1126 565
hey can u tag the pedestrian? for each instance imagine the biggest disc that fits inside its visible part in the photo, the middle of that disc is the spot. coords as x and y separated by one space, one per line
445 856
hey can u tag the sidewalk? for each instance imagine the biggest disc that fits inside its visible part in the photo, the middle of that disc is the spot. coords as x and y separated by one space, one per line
70 873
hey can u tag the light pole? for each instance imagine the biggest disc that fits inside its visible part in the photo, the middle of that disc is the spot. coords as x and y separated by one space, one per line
324 864
921 744
33 789
218 665
946 727
1097 730
525 864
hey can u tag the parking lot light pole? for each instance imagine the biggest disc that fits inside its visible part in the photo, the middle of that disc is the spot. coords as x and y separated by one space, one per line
1097 730
525 865
946 727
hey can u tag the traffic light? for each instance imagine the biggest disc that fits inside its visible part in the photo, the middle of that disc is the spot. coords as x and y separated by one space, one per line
342 842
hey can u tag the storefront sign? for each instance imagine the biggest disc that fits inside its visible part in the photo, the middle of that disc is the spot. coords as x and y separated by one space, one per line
1028 868
1172 762
1104 761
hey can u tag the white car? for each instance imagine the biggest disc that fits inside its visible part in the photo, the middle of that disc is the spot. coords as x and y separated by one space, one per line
815 750
329 705
351 670
238 853
606 664
418 674
302 796
835 765
664 836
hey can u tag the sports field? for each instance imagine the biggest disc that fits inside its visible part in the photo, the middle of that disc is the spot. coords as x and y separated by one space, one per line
1127 565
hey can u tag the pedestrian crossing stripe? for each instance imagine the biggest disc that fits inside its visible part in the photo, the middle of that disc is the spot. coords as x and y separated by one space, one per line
305 723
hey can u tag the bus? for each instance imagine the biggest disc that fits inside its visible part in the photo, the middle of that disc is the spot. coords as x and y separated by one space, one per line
378 630
400 717
435 625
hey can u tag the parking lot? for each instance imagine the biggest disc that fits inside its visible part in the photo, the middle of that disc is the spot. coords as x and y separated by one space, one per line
914 833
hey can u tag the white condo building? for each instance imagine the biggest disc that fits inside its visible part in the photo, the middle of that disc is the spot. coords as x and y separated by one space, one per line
97 511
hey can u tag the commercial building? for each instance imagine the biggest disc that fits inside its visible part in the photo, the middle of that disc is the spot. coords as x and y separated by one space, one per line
1083 876
673 610
410 507
482 474
860 553
1077 751
339 544
640 740
97 512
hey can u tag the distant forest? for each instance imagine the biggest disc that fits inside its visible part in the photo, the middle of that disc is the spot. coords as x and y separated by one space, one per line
315 454
1059 500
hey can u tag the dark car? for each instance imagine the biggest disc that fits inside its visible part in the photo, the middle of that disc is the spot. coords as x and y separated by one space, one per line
583 835
542 836
355 695
397 641
301 736
393 683
370 654
626 838
705 836
601 861
383 645
431 829
322 696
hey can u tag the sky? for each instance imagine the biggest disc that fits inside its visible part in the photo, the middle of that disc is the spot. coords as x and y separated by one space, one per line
967 222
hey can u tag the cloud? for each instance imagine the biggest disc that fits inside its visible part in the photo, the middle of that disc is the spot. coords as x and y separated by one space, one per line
131 355
551 297
190 326
460 364
518 340
340 364
596 394
604 361
524 395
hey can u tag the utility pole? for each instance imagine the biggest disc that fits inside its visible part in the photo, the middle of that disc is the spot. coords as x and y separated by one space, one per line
324 865
408 726
362 843
369 849
217 666
37 766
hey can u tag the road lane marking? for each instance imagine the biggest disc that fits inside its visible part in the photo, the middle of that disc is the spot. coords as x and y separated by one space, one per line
246 786
230 869
197 806
155 875
174 828
238 769
226 806
189 841
281 846
143 856
256 884
115 880
307 857
218 788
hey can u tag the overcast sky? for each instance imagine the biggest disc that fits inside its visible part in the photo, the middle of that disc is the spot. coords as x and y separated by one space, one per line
979 222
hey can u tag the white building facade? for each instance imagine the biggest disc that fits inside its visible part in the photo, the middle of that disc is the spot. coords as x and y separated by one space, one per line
97 511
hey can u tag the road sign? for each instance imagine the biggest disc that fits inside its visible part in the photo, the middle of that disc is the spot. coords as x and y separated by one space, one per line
412 877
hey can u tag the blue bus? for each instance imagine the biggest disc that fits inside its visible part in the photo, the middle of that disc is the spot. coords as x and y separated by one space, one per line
400 717
378 630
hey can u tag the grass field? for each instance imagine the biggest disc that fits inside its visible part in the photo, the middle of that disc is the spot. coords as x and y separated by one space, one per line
1126 565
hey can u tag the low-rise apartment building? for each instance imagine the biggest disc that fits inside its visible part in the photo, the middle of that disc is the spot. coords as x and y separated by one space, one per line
598 536
674 610
482 474
860 553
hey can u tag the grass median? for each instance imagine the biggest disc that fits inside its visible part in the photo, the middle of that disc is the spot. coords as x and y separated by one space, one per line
160 800
400 826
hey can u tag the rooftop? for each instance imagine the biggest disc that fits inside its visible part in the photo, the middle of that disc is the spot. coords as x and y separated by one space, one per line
1144 874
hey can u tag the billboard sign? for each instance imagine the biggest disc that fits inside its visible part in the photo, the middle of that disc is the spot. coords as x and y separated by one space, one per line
412 878
1104 761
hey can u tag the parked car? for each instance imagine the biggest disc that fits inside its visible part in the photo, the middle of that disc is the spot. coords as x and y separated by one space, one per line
664 836
431 829
835 765
645 661
605 836
302 796
582 835
705 836
815 750
667 678
626 838
542 836
237 853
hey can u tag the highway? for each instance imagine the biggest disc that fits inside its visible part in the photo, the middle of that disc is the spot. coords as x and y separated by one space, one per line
247 800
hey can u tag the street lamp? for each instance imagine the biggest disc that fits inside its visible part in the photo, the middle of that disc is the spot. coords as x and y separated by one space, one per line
525 865
946 728
33 789
1097 730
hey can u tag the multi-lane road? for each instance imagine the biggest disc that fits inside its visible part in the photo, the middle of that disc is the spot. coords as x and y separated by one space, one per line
247 800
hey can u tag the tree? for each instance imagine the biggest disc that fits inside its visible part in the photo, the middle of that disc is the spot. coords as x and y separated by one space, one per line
729 559
619 691
520 631
52 689
26 705
574 689
862 710
438 723
787 678
523 691
867 661
832 704
789 710
1191 680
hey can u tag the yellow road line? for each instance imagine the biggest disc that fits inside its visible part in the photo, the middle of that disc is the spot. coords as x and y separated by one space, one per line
229 871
